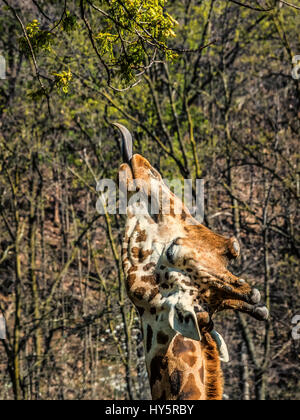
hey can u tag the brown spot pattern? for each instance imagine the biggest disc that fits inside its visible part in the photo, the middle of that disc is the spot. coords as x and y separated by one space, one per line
130 280
132 269
162 338
190 360
135 252
153 293
183 216
181 345
149 338
157 364
141 236
143 255
148 267
149 279
139 293
140 310
185 349
176 381
140 254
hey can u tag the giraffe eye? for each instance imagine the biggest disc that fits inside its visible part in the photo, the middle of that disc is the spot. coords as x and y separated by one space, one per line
171 252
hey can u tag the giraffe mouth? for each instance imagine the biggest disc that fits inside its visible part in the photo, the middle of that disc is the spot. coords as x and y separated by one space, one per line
233 297
236 303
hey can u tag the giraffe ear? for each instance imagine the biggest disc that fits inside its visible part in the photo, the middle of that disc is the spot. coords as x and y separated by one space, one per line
222 347
184 321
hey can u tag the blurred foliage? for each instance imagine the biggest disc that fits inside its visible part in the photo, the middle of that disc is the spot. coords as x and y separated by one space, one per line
39 39
63 80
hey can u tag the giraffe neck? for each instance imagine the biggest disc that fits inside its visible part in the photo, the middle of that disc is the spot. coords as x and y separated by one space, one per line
180 368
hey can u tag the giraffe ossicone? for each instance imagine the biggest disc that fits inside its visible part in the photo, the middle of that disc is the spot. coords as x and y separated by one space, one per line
177 277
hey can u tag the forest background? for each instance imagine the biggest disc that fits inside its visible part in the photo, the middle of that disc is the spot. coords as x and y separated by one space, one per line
210 90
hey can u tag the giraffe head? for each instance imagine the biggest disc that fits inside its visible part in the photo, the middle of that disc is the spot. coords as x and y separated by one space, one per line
176 268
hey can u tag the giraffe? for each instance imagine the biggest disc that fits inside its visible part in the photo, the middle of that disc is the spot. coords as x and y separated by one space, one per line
177 277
